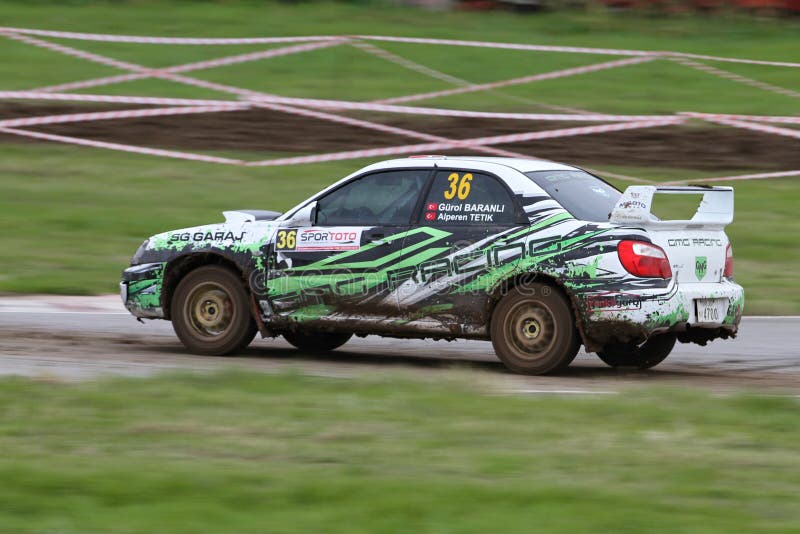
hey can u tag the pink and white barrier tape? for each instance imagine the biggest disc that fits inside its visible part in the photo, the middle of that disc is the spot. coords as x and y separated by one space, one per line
111 99
443 112
758 176
749 118
164 40
719 73
338 105
352 154
122 114
207 64
412 40
757 127
121 147
465 143
518 81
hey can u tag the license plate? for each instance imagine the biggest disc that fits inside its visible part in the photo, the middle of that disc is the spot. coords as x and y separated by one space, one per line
711 310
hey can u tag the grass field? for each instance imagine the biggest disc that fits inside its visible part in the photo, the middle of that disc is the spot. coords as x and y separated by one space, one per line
72 216
242 452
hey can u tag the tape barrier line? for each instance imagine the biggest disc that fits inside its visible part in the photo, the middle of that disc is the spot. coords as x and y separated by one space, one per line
121 147
248 93
737 60
735 77
749 118
444 77
239 92
377 126
756 127
164 40
121 114
212 63
352 154
111 99
443 112
370 48
465 143
354 106
518 81
74 52
413 40
758 176
298 106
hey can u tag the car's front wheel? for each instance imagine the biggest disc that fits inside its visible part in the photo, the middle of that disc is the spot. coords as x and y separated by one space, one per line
316 341
533 330
210 312
644 356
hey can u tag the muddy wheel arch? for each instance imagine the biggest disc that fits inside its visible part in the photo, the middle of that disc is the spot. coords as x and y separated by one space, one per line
502 287
177 268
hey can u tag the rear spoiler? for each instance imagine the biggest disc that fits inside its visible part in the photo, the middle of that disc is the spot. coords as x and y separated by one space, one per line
715 210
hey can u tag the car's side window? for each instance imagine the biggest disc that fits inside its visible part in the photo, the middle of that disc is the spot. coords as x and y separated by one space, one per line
467 198
379 199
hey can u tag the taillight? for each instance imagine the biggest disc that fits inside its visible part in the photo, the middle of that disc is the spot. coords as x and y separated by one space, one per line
728 273
644 259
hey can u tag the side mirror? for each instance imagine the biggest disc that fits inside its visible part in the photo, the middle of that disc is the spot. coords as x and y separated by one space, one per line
303 217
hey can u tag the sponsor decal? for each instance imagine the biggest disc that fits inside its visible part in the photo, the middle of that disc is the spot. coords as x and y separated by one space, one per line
700 267
320 240
206 236
614 301
694 242
630 204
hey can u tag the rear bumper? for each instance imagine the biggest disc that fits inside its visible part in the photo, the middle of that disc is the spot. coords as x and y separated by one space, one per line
635 316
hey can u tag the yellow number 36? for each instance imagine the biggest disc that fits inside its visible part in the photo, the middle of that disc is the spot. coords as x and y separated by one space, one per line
458 188
286 239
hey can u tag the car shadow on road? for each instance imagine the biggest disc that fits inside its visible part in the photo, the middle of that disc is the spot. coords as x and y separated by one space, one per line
581 369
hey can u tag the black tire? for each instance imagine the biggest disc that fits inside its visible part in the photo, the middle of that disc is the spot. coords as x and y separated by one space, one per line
533 330
316 341
644 356
210 312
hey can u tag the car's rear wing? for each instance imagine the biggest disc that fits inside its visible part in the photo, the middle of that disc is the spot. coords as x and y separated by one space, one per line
634 207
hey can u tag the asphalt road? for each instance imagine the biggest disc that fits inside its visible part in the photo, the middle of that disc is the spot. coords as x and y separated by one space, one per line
88 337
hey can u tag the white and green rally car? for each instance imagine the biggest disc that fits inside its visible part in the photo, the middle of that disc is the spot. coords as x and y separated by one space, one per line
536 256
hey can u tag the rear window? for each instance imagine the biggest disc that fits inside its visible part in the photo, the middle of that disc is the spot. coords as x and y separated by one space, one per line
586 197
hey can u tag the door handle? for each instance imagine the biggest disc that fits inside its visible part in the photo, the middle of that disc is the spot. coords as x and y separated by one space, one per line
377 239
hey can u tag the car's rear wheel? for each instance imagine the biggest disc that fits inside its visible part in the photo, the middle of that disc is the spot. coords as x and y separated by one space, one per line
533 330
644 356
211 313
316 341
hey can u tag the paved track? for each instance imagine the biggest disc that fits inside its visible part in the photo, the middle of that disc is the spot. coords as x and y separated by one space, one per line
77 338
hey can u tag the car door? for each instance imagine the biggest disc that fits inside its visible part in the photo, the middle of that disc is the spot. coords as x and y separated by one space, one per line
339 264
467 225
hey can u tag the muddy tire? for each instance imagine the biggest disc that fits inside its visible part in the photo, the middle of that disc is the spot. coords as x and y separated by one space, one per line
316 341
533 330
644 356
210 312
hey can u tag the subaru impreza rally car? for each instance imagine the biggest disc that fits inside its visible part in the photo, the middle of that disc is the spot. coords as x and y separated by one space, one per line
536 256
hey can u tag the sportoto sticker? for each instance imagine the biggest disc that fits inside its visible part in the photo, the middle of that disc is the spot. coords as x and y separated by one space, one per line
329 239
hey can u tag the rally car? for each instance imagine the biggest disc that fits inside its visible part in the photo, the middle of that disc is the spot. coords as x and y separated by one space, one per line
538 257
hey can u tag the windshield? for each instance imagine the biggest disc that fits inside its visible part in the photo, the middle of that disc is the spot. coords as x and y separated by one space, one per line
586 197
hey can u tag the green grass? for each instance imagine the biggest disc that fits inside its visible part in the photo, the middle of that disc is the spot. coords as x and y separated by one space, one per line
346 73
236 452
